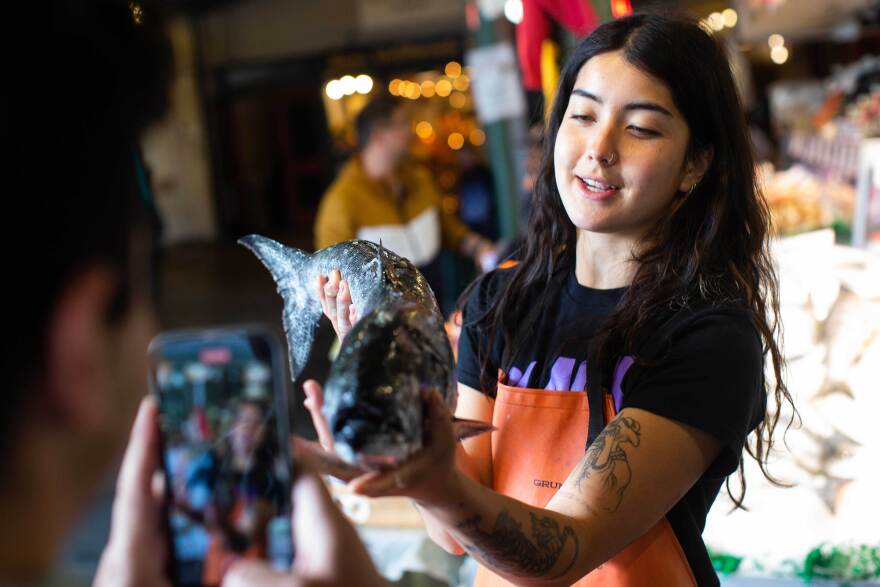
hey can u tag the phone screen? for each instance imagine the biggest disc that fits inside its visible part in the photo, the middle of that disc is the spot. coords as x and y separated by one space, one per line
224 429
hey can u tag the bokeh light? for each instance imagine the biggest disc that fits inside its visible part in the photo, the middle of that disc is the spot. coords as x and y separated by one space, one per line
443 88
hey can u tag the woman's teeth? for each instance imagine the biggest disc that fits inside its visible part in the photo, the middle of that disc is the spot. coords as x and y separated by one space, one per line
597 186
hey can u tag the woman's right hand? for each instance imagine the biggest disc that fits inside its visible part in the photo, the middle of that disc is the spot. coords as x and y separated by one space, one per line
335 296
321 455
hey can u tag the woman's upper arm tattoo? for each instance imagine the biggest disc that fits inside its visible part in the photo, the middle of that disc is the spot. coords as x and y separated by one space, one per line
607 459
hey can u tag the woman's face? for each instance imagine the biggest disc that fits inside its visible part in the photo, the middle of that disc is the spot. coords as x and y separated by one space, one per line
620 151
248 430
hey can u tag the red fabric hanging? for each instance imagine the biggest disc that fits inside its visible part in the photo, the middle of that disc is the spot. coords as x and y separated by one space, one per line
576 16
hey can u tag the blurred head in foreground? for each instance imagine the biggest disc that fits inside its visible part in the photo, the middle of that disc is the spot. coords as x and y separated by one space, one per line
83 80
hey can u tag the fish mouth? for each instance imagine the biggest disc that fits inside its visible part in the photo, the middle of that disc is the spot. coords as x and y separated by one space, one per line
367 435
372 450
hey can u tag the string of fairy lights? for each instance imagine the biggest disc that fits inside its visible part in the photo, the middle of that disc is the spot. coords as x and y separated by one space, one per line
728 18
452 84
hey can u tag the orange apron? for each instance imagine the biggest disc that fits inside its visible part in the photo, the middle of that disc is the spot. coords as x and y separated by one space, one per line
540 437
218 558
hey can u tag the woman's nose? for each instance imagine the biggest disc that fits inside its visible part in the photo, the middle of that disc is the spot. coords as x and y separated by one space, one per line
602 147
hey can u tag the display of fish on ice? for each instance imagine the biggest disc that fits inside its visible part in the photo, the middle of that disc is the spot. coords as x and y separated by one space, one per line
375 393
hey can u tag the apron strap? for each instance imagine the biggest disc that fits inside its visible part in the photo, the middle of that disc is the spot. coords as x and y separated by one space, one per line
595 398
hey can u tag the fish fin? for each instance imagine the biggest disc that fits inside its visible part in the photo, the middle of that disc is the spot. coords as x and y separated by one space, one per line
289 269
464 428
381 254
388 268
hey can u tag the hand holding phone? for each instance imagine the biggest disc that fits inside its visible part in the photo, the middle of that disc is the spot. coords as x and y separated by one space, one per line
135 556
329 554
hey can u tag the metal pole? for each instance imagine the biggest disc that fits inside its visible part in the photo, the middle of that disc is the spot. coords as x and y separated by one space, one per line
500 142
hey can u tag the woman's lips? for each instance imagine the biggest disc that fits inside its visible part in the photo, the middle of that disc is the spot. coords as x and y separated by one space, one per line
596 189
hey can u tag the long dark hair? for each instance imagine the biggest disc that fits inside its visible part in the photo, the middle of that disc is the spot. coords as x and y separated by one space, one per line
711 247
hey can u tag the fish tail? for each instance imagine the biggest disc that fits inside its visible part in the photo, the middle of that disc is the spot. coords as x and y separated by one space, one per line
289 268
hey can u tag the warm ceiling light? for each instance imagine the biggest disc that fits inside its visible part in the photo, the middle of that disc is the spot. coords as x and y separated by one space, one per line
424 129
348 85
455 141
363 84
513 11
457 100
730 17
394 87
453 69
779 55
428 89
477 137
716 21
776 40
443 88
413 91
620 8
334 89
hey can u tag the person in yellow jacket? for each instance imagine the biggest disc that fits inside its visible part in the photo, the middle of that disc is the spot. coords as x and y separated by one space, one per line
381 196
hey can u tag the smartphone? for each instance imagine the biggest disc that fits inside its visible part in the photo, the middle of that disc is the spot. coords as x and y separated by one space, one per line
223 423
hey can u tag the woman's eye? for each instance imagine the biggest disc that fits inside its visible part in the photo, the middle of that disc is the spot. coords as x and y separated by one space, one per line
583 117
642 131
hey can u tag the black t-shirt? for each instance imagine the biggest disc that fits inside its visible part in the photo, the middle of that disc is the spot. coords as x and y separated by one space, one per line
702 365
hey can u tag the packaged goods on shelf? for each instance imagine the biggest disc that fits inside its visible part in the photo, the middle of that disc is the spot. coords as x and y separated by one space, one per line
800 201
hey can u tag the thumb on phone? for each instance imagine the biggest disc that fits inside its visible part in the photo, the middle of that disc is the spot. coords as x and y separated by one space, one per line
135 553
255 574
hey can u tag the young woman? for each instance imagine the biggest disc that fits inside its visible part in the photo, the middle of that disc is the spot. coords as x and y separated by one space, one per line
622 359
238 475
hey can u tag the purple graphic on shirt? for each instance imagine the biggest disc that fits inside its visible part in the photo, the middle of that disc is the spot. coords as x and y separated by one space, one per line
560 375
620 370
517 378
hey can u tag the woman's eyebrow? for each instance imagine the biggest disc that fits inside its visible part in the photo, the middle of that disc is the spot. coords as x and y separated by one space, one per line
652 106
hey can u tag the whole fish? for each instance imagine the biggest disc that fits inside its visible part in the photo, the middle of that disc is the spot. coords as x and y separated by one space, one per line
397 351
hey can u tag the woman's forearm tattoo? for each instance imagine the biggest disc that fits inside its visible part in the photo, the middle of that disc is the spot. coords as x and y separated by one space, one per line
607 460
507 548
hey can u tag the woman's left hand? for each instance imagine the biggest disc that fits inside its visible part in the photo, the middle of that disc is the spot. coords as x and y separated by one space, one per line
320 455
426 476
